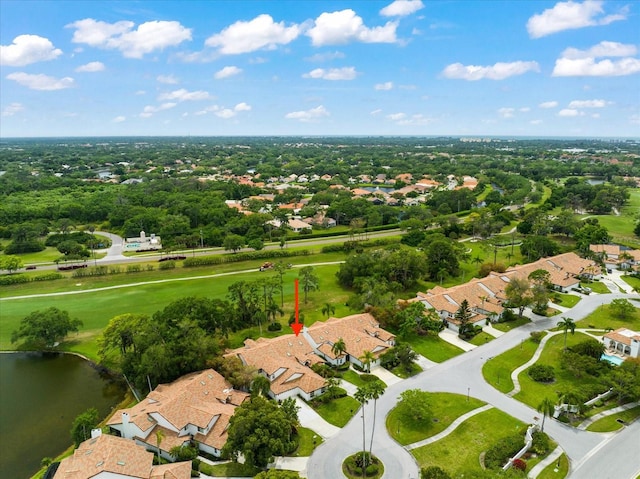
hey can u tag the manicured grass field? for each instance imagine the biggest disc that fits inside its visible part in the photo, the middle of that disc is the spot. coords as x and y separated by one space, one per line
596 286
497 371
603 318
460 450
446 407
509 325
565 300
308 441
632 281
482 338
533 392
355 379
621 227
433 348
338 411
401 372
229 469
610 423
549 472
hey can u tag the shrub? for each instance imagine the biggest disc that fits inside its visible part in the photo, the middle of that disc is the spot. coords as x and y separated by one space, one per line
537 336
17 247
134 268
520 465
508 315
541 443
433 472
167 265
274 326
6 280
48 277
541 373
503 450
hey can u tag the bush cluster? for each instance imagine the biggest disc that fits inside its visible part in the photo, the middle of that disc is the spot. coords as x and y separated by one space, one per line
541 373
9 279
275 326
236 258
503 450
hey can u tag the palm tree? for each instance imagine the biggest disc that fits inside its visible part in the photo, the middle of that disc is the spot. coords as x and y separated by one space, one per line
159 438
567 325
547 408
309 280
338 347
328 309
362 396
376 389
260 386
366 358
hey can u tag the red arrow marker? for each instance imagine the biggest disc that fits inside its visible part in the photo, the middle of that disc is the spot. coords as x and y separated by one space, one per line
296 326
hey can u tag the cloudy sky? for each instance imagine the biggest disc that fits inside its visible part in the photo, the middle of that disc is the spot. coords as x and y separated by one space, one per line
403 67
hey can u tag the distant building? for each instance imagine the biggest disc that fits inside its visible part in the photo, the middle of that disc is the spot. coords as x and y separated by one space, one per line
143 243
623 342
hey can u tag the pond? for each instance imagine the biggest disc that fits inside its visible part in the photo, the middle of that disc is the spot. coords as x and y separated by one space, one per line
40 396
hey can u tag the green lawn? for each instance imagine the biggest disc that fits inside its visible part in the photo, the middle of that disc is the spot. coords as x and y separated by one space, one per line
481 338
552 471
602 318
566 300
610 423
446 407
229 469
432 347
354 378
632 281
308 441
459 452
509 325
596 286
338 411
401 372
533 392
497 371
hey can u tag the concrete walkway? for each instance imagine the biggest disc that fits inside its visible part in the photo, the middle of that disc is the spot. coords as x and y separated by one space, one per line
585 424
387 376
298 464
452 427
489 329
312 420
516 372
425 363
538 468
452 338
347 386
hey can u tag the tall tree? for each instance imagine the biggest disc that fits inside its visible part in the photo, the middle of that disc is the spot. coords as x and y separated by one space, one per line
83 424
46 328
518 294
567 325
159 438
328 309
281 268
376 389
362 395
367 358
339 347
547 408
309 280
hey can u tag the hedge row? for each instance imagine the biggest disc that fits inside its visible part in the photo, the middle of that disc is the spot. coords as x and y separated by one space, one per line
236 258
349 246
9 279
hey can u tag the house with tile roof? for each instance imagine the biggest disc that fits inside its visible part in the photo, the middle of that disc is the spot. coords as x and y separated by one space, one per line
616 256
623 342
111 457
195 407
486 296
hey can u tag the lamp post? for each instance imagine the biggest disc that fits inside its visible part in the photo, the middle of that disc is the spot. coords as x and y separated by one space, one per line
468 391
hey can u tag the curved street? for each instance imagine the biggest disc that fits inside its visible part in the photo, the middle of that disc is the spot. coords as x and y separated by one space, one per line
587 451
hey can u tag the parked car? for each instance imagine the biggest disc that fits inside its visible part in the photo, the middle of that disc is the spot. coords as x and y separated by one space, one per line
31 266
266 265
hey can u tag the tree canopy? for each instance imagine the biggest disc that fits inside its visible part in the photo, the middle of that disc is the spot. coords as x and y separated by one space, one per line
45 329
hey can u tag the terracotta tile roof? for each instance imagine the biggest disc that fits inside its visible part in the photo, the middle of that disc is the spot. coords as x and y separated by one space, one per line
623 335
609 249
106 454
177 470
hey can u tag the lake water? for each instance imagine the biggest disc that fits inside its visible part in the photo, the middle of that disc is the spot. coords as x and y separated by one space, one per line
40 396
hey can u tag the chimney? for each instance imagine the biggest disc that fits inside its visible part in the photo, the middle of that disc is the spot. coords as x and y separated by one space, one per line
96 433
125 426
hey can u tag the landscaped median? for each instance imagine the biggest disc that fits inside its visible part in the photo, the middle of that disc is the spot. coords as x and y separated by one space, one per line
497 371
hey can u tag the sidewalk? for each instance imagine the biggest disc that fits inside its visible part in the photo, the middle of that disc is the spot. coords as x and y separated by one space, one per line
452 338
538 468
312 420
609 412
388 377
489 329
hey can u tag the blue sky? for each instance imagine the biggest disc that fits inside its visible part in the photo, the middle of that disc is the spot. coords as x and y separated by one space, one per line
404 67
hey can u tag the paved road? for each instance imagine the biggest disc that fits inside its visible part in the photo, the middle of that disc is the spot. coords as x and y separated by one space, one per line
463 375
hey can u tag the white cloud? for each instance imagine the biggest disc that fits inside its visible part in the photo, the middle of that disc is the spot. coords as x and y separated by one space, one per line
149 110
225 113
570 112
27 49
602 49
119 119
506 112
148 37
536 122
595 115
308 115
588 104
566 67
634 119
242 107
345 73
91 67
345 26
141 92
167 79
548 104
260 33
12 109
384 86
184 95
375 112
499 71
417 119
524 109
325 57
227 72
401 8
571 15
41 82
397 116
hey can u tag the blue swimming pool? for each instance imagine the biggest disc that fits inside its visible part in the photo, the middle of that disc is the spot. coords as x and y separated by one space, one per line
612 359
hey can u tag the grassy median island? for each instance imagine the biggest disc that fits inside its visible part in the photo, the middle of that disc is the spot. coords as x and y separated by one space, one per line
338 410
610 423
432 347
557 470
460 451
446 408
497 371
